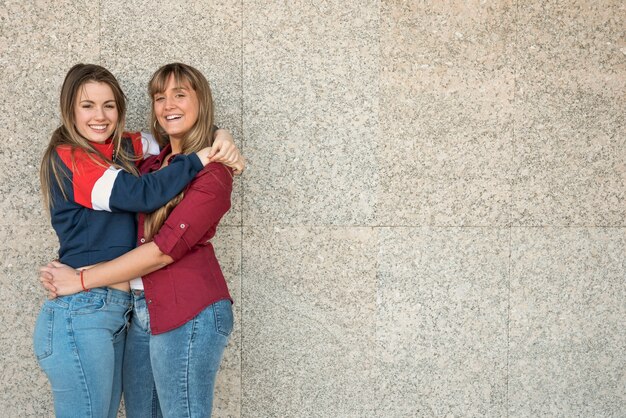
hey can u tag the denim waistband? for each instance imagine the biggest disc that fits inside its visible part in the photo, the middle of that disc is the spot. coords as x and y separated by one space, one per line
108 294
137 296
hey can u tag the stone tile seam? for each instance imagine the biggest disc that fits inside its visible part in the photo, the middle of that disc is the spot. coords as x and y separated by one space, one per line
229 225
377 317
287 226
241 218
375 211
512 195
508 321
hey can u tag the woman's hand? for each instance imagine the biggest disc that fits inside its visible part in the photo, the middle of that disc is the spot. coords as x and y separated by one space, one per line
204 155
225 151
59 279
46 282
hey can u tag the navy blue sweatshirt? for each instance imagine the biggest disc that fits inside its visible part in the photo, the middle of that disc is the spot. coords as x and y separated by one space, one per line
97 221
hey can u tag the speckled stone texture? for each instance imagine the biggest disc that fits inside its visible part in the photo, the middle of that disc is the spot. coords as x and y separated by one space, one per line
35 52
310 111
309 307
433 219
567 338
446 80
570 139
442 322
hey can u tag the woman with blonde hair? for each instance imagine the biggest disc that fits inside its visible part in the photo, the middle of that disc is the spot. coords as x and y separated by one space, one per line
182 316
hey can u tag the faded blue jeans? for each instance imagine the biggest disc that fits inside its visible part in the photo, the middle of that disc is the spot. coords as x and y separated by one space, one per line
172 375
79 344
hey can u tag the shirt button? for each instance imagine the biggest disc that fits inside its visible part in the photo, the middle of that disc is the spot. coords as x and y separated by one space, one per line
182 226
149 300
142 240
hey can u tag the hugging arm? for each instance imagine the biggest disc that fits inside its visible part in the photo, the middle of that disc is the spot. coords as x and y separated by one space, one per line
99 186
226 152
208 195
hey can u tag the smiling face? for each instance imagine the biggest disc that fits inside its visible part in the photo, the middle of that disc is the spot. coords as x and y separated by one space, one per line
176 108
95 111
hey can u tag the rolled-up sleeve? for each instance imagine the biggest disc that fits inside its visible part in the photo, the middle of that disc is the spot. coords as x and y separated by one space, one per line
205 202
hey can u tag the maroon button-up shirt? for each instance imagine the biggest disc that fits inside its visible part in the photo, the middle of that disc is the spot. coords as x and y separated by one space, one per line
178 292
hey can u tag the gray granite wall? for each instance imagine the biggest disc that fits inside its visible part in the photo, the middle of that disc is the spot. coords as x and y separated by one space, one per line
433 221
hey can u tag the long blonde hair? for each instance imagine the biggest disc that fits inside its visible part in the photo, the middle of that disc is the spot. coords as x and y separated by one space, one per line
68 135
199 136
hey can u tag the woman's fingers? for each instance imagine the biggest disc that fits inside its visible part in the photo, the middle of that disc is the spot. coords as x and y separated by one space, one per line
47 284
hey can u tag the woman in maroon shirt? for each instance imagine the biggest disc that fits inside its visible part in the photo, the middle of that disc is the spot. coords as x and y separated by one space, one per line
182 315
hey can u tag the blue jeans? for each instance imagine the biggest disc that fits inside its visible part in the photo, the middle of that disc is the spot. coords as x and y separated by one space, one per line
173 374
79 344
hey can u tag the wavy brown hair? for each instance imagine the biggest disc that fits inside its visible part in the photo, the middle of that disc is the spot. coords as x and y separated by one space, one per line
68 135
199 136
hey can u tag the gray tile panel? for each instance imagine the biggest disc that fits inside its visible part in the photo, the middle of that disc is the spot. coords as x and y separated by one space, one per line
567 338
441 326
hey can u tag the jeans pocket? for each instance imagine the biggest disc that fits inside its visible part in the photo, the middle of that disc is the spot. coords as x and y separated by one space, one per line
223 317
42 336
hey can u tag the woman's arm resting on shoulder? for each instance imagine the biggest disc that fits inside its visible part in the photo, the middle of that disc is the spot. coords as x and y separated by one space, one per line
226 152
